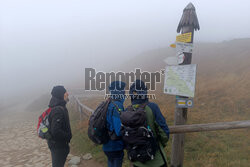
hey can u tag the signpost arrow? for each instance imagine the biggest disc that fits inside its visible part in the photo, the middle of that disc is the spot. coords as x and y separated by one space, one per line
173 45
171 60
188 23
184 47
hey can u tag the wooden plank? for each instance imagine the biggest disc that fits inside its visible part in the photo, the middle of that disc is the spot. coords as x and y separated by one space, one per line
209 127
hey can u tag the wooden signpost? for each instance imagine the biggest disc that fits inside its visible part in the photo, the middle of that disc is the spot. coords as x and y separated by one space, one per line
188 23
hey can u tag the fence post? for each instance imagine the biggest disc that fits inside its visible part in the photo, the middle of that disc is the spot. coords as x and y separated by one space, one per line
188 23
80 111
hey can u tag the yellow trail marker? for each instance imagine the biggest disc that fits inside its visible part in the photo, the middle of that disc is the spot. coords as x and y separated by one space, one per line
173 45
184 103
181 102
184 37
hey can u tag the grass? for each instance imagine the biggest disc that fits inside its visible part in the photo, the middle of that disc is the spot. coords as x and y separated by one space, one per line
217 99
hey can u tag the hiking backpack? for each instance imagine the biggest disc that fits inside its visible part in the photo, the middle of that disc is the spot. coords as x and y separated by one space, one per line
137 135
43 125
97 130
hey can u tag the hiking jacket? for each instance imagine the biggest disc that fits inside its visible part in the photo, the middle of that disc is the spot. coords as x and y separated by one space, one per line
157 123
59 124
114 126
159 118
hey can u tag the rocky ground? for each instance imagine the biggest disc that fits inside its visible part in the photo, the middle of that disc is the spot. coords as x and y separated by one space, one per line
19 144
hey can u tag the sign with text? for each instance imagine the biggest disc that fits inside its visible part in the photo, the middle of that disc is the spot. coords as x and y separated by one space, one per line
187 37
180 80
184 47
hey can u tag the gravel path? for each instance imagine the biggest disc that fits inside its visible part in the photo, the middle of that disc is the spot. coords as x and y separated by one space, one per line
19 144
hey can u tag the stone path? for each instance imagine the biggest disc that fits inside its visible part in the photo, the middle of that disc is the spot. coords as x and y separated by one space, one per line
19 144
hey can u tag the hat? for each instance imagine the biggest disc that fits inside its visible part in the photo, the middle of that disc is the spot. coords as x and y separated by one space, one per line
58 92
117 86
116 89
138 91
139 87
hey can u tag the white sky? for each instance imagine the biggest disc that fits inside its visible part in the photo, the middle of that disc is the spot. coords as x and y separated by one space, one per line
43 43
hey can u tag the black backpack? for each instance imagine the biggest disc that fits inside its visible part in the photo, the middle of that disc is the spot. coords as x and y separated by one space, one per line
97 130
137 135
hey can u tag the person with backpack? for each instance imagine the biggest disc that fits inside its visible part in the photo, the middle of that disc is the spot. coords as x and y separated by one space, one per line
113 149
59 126
144 129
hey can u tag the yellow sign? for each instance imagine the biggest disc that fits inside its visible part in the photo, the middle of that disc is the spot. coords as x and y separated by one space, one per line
184 37
173 45
181 102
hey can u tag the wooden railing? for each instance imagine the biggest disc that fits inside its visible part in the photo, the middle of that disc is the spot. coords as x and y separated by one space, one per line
209 127
85 112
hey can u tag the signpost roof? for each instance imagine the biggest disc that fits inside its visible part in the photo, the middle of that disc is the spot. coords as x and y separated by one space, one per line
189 18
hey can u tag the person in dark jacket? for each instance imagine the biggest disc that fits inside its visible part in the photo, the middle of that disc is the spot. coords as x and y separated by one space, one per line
155 119
114 148
59 126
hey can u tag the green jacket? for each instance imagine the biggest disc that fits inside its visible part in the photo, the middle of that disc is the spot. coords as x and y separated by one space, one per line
161 138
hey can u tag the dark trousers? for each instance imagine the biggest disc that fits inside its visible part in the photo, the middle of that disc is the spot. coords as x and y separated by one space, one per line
115 158
59 156
160 166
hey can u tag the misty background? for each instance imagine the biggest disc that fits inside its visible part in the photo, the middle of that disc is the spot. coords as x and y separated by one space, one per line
45 43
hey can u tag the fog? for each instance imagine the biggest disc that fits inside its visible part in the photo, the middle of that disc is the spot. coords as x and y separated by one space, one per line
45 43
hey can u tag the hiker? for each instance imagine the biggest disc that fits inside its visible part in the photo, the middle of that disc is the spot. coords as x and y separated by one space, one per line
145 132
113 149
59 126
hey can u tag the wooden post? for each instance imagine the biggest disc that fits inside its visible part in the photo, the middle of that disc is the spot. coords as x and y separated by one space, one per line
80 111
188 23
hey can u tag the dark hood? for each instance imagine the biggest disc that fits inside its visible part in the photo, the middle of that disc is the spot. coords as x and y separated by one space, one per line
56 102
138 92
116 89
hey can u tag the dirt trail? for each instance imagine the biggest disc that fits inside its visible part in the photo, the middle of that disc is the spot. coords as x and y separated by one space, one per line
19 144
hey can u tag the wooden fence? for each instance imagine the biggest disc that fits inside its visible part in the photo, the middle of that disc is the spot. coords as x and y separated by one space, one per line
85 112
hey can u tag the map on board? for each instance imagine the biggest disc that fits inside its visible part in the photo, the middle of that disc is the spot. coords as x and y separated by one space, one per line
180 80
